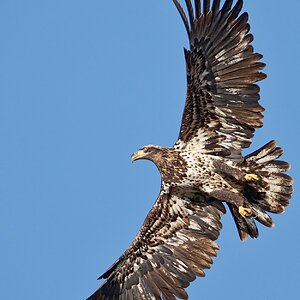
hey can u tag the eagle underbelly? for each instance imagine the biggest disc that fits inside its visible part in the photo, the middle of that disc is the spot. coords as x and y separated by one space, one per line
202 174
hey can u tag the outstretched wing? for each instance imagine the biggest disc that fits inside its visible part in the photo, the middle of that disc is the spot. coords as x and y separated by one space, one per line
222 109
174 245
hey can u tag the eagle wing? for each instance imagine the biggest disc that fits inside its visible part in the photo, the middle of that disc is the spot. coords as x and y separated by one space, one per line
174 245
222 109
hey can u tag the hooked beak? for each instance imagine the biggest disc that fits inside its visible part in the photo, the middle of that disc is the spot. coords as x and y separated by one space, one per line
138 155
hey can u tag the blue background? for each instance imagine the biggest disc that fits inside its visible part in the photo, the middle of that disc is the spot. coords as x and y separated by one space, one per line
83 85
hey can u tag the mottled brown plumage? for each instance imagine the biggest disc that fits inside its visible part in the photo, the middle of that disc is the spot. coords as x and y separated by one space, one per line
206 166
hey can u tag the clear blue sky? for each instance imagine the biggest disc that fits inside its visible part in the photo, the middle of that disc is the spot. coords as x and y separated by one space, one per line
84 84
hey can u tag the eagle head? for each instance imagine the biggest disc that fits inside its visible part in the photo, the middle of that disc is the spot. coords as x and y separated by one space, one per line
169 162
150 152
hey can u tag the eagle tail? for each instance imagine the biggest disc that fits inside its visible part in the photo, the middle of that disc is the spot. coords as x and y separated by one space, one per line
267 188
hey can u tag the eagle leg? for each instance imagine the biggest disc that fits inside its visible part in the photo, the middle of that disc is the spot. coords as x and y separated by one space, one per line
228 196
236 199
222 167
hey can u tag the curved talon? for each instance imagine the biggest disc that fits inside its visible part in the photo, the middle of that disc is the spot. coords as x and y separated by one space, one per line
251 177
245 212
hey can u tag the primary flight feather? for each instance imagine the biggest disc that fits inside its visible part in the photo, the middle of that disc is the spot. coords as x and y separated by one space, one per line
205 168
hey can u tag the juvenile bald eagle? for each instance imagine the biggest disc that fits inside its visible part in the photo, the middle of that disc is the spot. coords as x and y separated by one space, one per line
205 168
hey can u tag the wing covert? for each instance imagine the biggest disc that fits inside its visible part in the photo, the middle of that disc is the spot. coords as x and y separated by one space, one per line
222 109
174 245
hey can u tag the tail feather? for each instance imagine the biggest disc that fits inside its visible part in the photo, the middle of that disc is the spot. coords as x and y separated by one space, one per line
273 189
262 216
264 154
276 166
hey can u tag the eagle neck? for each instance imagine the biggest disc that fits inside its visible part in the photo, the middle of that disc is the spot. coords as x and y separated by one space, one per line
172 167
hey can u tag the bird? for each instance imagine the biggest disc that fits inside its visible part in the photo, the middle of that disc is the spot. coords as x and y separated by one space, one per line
205 171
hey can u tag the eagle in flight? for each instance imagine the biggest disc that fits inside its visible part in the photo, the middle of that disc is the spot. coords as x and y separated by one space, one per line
205 168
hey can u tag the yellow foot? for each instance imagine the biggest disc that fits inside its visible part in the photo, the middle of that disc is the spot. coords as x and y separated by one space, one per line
251 177
245 212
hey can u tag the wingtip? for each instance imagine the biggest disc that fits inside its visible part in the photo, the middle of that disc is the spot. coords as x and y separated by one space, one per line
183 16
